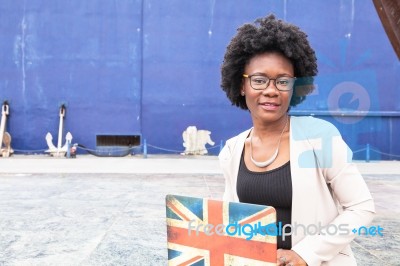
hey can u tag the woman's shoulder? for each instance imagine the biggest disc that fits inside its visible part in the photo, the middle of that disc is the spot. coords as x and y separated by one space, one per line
231 143
313 126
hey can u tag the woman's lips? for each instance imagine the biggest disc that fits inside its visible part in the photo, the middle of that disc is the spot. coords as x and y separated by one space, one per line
269 106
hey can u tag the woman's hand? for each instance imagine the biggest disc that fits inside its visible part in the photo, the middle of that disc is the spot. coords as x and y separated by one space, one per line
289 258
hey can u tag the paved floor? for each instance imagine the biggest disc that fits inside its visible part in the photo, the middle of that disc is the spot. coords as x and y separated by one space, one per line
110 211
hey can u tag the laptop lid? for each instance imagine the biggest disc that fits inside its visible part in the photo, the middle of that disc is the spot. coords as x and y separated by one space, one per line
204 231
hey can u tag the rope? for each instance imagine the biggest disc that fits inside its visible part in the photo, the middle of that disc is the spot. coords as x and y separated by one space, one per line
163 149
357 151
107 153
377 151
384 153
80 146
176 151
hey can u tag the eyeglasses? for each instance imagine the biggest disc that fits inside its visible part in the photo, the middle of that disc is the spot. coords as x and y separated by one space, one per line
259 82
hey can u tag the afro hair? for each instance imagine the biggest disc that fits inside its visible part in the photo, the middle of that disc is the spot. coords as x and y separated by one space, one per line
268 35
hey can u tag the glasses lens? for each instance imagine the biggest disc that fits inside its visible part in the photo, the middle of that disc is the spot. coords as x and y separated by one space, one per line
284 83
259 82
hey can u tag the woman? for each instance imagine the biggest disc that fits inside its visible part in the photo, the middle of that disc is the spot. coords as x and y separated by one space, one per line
299 165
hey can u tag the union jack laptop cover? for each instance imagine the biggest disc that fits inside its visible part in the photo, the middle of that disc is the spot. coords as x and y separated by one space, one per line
210 232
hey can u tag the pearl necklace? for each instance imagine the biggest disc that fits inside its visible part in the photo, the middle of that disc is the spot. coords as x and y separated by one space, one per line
270 160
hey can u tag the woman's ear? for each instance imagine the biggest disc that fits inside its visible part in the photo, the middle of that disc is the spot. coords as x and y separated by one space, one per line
242 91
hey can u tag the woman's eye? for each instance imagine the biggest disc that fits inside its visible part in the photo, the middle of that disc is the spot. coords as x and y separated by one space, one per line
282 82
260 80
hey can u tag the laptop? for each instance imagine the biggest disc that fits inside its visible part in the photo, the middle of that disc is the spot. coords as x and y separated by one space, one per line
211 232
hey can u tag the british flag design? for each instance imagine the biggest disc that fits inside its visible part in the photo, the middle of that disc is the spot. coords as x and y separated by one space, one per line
195 240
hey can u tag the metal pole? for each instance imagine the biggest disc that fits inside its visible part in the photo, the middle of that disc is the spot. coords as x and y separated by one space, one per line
68 149
367 153
144 148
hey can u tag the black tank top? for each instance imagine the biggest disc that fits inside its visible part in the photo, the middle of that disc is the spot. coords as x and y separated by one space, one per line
271 188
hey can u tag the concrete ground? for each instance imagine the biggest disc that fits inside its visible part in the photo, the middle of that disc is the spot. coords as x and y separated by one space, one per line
111 211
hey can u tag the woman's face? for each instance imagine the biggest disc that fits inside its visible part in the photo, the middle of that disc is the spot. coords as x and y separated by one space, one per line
270 104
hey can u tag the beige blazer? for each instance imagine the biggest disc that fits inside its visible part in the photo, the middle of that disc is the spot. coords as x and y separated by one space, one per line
328 190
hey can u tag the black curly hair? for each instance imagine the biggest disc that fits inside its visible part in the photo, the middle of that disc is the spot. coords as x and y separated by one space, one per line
268 35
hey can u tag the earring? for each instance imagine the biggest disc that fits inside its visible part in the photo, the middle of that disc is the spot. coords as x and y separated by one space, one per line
242 93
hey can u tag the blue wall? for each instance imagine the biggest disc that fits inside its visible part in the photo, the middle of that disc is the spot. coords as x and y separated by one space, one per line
151 68
81 53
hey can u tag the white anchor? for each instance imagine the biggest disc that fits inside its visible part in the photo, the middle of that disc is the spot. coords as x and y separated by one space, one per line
5 137
59 151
